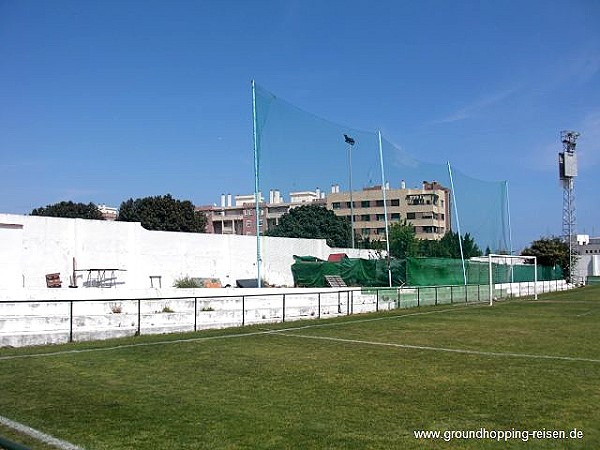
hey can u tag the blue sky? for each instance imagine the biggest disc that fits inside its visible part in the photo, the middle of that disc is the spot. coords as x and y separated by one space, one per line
101 101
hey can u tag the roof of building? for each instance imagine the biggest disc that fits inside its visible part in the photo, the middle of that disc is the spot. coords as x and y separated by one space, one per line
336 257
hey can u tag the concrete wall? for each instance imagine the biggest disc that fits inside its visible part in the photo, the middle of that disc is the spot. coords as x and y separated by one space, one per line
46 316
32 246
49 316
587 265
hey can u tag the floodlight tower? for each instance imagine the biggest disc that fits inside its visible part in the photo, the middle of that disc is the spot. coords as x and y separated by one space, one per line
567 167
350 141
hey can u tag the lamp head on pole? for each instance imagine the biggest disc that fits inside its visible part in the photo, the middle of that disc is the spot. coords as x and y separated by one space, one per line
348 139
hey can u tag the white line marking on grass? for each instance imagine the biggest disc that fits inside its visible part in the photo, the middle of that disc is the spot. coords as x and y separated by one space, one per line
139 344
585 313
42 437
224 336
440 349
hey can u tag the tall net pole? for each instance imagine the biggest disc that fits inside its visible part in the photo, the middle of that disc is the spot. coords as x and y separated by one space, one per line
256 187
383 189
462 255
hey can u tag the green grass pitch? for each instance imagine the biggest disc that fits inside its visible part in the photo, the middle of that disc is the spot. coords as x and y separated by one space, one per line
359 382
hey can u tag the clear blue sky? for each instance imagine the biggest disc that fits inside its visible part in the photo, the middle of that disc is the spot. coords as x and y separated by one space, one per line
101 101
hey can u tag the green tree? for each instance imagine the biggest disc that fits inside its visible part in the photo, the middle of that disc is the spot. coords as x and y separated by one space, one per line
314 222
403 243
163 213
403 240
550 251
70 210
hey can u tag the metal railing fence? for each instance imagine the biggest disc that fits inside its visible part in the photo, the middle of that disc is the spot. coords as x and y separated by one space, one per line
245 309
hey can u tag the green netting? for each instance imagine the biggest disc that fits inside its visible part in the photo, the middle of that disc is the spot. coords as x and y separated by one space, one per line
310 272
445 271
299 151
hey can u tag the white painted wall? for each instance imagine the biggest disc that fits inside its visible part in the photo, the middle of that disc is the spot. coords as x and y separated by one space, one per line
47 316
11 244
47 245
587 265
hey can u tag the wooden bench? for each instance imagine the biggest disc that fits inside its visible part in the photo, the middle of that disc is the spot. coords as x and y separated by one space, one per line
53 280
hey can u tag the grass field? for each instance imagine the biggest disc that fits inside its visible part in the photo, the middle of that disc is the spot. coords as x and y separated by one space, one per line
358 382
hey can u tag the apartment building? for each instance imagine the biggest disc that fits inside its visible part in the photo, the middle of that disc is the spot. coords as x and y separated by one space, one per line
426 208
108 212
237 215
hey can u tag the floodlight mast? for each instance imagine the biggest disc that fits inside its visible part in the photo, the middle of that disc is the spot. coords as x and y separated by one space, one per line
350 141
567 167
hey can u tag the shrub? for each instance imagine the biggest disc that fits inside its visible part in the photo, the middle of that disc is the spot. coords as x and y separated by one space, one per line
186 283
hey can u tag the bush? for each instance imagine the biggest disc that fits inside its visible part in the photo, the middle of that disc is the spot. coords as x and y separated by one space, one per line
186 283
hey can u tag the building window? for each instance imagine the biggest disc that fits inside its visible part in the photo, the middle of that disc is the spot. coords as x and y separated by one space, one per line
335 205
348 205
380 216
395 216
365 204
395 202
379 203
411 215
365 218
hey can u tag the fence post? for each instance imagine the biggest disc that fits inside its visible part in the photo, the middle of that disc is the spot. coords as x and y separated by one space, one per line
243 310
436 293
71 321
377 300
195 313
418 295
319 306
139 325
283 313
350 300
451 295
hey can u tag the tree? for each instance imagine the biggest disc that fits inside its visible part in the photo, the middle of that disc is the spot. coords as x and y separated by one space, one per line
70 210
550 252
403 243
449 247
314 222
163 213
403 240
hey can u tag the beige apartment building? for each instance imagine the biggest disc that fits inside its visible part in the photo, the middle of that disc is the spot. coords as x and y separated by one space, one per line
237 215
427 209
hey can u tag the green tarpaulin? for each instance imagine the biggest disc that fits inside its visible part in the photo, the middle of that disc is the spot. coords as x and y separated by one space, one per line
309 271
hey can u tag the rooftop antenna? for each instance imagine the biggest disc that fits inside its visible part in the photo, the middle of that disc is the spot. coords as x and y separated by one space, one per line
567 168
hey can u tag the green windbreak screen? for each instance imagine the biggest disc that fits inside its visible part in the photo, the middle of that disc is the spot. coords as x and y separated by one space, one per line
299 152
310 272
354 271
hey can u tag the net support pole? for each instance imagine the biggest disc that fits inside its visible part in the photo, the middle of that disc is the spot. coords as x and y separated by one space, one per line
462 255
385 213
491 283
510 247
535 278
256 188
